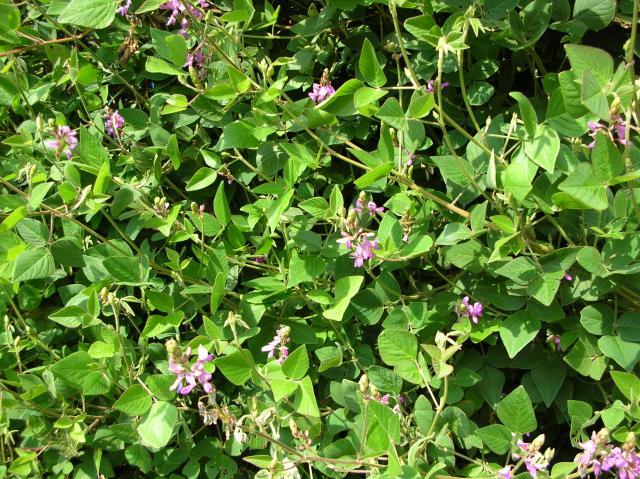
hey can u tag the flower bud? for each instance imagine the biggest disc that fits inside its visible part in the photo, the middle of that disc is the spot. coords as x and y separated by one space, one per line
603 436
293 426
194 207
630 441
537 443
364 383
51 122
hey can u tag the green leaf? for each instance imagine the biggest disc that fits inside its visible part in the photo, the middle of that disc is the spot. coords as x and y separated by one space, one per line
543 149
69 316
584 186
124 269
341 103
595 14
548 379
606 158
420 105
527 112
74 369
89 13
304 268
13 219
374 175
516 412
345 288
33 264
496 437
424 28
158 65
157 324
629 326
201 179
369 67
396 345
156 428
67 252
625 353
628 384
480 92
38 194
170 47
393 115
593 97
518 330
305 400
518 177
221 206
597 319
236 367
297 363
149 6
597 61
135 401
318 207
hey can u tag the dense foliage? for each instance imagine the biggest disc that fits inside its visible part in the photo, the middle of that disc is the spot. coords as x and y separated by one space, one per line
319 239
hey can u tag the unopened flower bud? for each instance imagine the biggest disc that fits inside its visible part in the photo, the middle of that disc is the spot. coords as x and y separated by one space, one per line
549 453
194 207
630 441
293 426
537 443
51 122
364 383
603 436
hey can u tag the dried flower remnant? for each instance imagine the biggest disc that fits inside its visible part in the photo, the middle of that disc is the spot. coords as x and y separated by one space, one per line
65 141
189 376
323 90
472 311
278 344
113 122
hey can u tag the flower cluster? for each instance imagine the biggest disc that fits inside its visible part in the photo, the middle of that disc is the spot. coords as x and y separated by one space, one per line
189 376
323 90
530 454
65 141
371 206
362 245
597 454
466 310
619 127
279 344
183 9
113 122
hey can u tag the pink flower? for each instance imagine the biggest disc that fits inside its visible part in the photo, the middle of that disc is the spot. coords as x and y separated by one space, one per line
567 277
621 132
321 92
373 208
473 311
431 86
65 141
187 377
505 472
113 123
278 344
123 9
364 252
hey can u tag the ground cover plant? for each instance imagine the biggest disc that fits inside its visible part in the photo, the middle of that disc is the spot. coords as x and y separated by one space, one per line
337 238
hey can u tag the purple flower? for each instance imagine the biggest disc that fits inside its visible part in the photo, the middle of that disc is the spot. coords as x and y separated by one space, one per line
321 92
124 9
567 277
410 156
65 141
187 377
113 123
359 205
373 208
473 311
384 400
364 251
346 239
505 472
